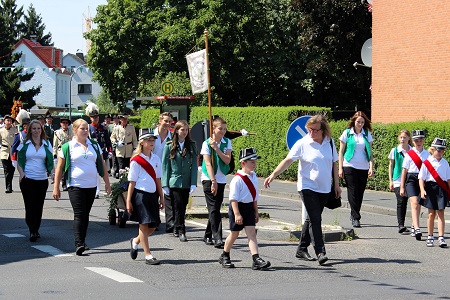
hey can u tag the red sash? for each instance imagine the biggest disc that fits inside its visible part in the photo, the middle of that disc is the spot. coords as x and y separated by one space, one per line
416 159
436 176
146 165
249 184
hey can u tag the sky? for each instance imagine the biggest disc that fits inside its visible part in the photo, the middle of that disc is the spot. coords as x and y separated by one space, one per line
64 20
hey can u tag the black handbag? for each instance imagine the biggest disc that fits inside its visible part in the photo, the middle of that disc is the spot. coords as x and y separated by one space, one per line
333 202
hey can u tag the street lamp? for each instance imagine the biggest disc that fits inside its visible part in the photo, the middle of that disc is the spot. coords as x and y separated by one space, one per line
70 95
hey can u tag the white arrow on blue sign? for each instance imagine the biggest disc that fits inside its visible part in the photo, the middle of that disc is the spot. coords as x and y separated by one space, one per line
296 130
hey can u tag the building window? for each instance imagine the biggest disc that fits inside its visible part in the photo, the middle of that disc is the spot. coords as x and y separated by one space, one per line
85 89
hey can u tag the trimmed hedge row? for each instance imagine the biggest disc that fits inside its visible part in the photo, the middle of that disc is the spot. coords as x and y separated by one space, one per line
270 125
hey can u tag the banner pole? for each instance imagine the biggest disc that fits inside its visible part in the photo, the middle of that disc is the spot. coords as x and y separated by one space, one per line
209 90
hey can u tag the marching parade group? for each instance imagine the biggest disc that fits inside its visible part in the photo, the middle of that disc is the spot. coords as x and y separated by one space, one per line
163 167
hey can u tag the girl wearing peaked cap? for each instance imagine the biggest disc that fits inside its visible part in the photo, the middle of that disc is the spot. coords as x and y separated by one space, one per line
434 180
145 197
409 185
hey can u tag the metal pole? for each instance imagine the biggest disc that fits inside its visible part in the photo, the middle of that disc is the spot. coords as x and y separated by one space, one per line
209 90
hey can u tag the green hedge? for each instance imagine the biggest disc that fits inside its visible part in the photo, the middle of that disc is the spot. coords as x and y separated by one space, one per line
270 125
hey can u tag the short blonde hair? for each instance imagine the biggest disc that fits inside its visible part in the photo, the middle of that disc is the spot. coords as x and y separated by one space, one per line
324 126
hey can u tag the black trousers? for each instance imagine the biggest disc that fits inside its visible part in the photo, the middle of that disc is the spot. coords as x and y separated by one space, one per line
82 200
33 193
213 203
124 162
180 201
115 163
356 185
169 212
402 203
312 228
8 170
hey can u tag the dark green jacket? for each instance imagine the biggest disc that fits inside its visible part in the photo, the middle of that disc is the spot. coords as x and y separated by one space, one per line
180 172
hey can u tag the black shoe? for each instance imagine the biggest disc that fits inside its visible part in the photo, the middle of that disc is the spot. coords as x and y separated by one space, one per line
219 245
183 237
80 249
356 223
322 258
97 196
38 235
208 241
133 252
225 261
169 230
259 263
64 188
33 237
304 255
86 248
116 176
401 229
152 261
176 234
418 235
9 191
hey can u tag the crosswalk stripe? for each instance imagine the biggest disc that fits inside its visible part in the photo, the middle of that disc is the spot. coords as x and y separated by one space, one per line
13 235
114 275
51 250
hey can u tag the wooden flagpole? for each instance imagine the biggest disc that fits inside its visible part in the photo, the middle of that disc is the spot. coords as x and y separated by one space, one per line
209 91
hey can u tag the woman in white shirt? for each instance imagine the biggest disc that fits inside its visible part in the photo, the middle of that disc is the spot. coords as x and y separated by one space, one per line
145 197
34 163
81 160
356 161
317 158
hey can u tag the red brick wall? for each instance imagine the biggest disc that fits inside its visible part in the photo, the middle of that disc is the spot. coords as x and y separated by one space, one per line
411 61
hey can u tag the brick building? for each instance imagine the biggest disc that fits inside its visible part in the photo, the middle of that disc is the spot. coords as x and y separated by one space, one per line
411 61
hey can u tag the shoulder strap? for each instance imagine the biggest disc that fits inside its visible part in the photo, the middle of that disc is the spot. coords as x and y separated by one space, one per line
416 159
146 165
249 184
436 176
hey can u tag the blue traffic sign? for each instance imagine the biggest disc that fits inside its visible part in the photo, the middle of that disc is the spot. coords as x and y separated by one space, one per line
296 130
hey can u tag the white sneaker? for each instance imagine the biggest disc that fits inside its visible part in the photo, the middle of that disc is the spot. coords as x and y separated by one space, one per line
442 242
413 233
430 241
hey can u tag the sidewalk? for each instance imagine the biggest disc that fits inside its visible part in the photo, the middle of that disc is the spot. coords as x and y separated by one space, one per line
374 202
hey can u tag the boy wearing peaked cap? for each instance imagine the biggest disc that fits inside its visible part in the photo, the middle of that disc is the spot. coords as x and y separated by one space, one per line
243 209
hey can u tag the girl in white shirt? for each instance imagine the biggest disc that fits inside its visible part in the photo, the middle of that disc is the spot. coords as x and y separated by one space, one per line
34 163
433 195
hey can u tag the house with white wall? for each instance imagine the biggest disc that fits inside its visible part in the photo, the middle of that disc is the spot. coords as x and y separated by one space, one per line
63 79
82 86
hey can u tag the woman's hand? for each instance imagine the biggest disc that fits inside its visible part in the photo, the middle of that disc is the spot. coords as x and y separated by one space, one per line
238 219
214 145
341 172
56 192
214 187
371 173
423 194
108 189
337 191
402 191
129 208
391 185
268 180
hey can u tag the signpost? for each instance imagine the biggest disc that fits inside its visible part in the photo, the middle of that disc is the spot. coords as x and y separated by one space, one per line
296 131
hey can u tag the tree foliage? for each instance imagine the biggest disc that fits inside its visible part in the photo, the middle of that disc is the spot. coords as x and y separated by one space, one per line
262 52
10 79
32 25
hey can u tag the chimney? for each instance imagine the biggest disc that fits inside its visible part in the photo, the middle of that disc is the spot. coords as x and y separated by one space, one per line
33 38
80 55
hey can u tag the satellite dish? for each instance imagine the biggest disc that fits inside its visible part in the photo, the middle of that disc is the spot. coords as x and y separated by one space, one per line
366 53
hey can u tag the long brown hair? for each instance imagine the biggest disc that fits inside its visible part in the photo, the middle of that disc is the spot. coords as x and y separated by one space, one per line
367 122
187 142
29 134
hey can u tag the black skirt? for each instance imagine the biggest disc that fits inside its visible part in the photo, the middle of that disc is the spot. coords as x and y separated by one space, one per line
412 185
145 208
437 198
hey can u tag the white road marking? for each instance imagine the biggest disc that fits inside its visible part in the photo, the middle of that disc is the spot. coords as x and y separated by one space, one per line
51 250
300 130
114 275
13 235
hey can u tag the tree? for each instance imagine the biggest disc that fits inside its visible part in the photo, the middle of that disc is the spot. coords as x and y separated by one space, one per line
10 79
333 32
33 25
262 52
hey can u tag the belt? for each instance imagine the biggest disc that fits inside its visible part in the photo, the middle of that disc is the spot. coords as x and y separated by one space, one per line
129 143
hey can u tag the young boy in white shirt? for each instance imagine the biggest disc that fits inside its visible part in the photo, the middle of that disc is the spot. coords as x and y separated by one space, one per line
243 209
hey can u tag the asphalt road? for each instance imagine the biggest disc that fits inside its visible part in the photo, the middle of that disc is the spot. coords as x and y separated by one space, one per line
379 264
